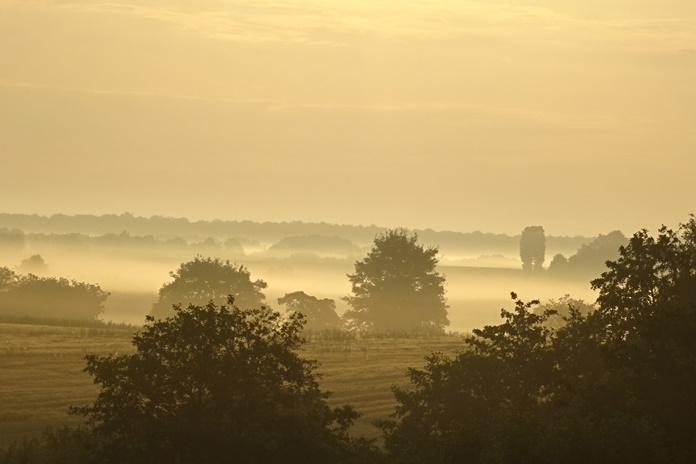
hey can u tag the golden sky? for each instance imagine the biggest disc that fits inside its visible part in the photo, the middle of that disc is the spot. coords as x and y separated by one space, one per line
464 115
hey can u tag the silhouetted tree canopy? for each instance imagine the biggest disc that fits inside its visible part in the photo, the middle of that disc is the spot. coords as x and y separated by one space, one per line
8 279
561 310
209 279
49 297
533 248
613 384
590 258
397 286
558 265
320 314
647 303
216 384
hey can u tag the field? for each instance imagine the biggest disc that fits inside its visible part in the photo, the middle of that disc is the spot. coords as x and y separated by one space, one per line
41 373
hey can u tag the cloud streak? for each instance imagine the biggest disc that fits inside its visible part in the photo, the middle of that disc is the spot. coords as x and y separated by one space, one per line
343 22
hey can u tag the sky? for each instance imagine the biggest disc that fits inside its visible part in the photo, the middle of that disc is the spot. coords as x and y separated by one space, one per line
463 115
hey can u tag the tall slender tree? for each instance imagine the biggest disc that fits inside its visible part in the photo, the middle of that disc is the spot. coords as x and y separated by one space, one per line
533 248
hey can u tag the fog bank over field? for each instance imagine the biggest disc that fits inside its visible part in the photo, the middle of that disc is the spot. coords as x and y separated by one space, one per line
132 257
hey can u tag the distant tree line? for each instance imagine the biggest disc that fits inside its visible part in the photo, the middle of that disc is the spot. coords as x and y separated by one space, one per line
16 240
56 297
589 260
462 243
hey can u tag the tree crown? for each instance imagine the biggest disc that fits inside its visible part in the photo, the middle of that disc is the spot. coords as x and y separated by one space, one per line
397 286
213 383
204 279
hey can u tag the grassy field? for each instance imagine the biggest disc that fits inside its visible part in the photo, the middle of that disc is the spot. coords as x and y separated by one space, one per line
41 373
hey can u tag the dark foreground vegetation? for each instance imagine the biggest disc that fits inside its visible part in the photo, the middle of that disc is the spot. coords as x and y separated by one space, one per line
613 382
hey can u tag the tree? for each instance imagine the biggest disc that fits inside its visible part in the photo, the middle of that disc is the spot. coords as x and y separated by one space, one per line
320 314
558 265
522 391
479 405
34 264
397 286
590 258
613 383
8 279
206 279
533 248
649 274
561 310
216 384
647 301
33 296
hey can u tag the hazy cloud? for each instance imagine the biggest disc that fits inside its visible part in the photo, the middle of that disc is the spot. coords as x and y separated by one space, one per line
447 114
341 22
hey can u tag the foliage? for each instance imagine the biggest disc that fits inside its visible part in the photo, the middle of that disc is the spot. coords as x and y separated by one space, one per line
533 248
320 314
33 296
214 384
648 305
8 279
397 286
209 279
34 264
561 310
590 258
57 446
558 265
460 407
614 383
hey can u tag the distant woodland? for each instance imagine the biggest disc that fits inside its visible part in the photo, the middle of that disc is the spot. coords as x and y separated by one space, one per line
126 230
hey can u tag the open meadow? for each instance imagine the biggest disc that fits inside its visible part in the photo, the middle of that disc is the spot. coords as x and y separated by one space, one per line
41 372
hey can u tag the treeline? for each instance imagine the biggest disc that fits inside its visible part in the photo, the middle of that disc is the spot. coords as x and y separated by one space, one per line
268 232
27 297
17 240
590 259
160 227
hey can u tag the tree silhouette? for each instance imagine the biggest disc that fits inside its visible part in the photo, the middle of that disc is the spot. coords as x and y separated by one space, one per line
590 258
647 301
51 297
458 409
8 279
320 314
558 265
34 264
206 279
533 248
216 384
614 382
397 286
